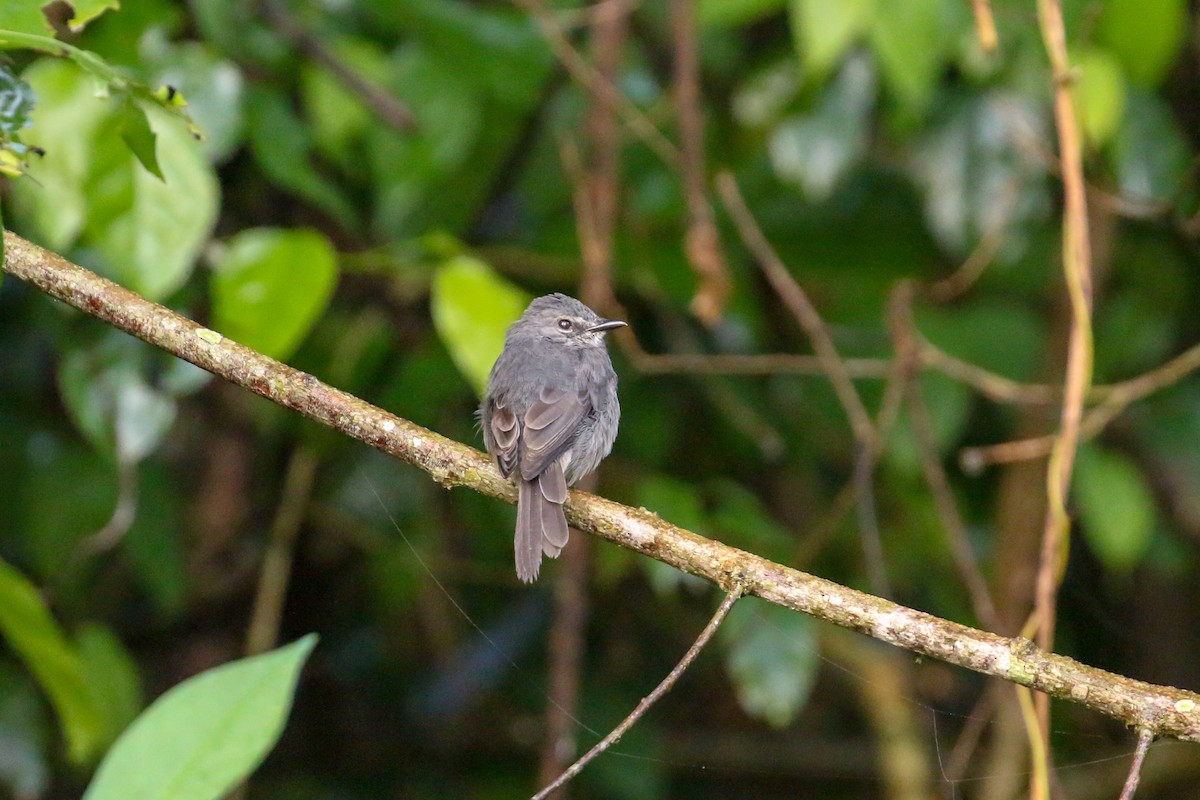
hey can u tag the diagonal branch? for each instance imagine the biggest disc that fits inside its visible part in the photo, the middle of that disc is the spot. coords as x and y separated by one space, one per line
1163 710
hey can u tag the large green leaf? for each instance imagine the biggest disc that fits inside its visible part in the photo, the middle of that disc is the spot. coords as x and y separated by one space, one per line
1116 507
90 190
472 308
772 659
24 16
32 632
270 285
205 735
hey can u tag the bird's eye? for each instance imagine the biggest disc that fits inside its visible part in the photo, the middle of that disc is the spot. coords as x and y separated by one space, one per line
564 324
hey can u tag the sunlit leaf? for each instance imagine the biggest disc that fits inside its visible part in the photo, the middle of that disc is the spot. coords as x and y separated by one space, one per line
472 307
911 40
202 737
772 657
824 31
24 16
88 10
1116 507
270 285
1099 95
1145 35
34 635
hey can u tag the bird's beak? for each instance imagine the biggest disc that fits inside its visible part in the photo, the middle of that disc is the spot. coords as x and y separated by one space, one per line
606 325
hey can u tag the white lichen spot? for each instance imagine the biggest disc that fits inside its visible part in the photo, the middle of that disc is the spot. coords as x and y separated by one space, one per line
212 337
416 441
1079 692
889 622
1185 706
388 425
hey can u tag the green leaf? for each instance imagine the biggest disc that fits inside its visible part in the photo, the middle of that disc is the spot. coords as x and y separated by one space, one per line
824 31
138 137
89 189
88 10
911 40
205 735
772 659
270 285
54 204
214 88
282 147
1099 96
472 308
112 677
25 16
1116 507
32 632
1144 35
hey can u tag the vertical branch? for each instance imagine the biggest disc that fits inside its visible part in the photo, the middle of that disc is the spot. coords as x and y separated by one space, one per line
1077 271
985 25
703 244
273 580
596 191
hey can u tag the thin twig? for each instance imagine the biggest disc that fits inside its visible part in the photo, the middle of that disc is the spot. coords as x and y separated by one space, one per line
1077 269
615 735
273 578
586 76
795 298
903 330
750 364
1168 711
385 106
703 243
985 25
1145 737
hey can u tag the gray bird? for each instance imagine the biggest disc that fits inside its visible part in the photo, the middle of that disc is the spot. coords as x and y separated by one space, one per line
549 416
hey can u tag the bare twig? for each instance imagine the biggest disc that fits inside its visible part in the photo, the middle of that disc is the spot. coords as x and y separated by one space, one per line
903 330
1145 737
615 735
703 243
1076 255
985 25
1165 710
586 75
273 578
387 107
798 303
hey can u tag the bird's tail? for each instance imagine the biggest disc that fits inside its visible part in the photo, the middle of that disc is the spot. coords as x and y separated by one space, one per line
541 524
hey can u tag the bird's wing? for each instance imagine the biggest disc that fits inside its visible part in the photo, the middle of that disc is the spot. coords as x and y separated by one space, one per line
506 432
550 423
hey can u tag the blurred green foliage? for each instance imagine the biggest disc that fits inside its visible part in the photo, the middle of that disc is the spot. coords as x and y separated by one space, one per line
874 141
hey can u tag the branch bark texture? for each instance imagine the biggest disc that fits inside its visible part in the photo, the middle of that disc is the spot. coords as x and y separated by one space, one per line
1165 711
